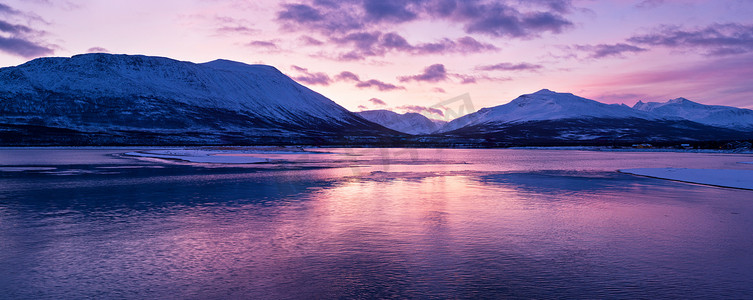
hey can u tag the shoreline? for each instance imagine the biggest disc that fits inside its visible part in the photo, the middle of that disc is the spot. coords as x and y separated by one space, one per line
723 178
299 148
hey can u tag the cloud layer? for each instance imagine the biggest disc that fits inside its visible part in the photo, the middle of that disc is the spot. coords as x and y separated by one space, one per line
715 39
512 19
360 24
18 39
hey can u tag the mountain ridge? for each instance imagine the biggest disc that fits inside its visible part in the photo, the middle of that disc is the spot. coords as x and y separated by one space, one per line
99 99
119 99
550 116
714 115
410 123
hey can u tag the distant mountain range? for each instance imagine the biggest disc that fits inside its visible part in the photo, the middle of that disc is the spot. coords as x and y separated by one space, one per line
96 99
104 99
410 123
713 115
547 117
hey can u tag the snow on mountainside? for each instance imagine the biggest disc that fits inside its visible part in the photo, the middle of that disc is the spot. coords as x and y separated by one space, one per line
112 94
545 105
714 115
547 117
410 123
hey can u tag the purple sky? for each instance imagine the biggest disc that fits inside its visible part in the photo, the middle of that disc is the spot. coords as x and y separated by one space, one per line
411 54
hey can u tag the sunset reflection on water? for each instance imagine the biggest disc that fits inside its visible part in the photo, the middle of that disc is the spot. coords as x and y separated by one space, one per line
465 223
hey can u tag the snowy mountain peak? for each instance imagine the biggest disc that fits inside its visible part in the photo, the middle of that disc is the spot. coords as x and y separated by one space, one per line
545 105
679 100
682 101
229 65
101 92
544 92
714 115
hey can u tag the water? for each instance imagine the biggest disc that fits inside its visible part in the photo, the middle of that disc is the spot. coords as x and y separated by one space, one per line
371 223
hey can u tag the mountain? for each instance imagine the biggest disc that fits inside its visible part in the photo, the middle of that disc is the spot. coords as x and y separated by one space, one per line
545 105
714 115
124 99
547 117
410 123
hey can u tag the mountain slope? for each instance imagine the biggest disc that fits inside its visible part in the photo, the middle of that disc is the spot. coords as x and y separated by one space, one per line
714 115
108 99
545 105
410 123
547 117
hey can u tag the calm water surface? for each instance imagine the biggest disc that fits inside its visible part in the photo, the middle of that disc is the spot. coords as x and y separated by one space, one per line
371 223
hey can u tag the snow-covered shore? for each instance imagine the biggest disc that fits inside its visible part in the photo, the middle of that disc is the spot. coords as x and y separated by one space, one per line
740 179
610 149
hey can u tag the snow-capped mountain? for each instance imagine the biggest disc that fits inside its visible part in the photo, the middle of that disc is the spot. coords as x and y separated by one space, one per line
410 123
545 105
139 99
714 115
549 116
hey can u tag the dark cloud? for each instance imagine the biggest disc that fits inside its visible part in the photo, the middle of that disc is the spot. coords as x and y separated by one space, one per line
97 50
236 29
382 86
13 28
397 11
561 6
437 73
300 13
345 75
605 50
5 9
714 40
509 67
422 109
350 56
22 47
469 44
376 101
21 40
395 41
362 107
439 90
502 19
462 45
474 78
433 73
517 19
364 42
649 4
326 17
307 77
271 45
466 79
309 41
376 43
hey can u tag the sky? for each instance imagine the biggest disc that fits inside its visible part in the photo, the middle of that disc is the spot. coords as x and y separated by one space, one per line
412 55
